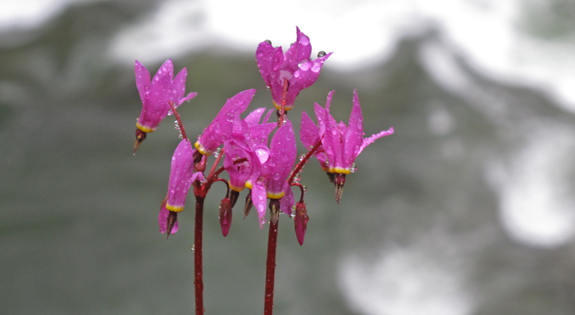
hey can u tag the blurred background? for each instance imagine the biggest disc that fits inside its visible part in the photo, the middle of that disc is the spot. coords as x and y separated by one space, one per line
468 209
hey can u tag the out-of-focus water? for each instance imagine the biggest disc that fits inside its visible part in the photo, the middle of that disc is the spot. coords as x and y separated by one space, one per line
466 209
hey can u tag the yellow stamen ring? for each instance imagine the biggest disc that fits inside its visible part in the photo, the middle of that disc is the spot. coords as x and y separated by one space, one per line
238 189
174 208
339 170
275 195
145 129
201 149
279 106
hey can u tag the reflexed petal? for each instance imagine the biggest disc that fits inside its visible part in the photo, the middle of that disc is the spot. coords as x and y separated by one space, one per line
254 117
286 202
370 140
220 129
181 176
354 134
309 132
142 79
259 199
283 153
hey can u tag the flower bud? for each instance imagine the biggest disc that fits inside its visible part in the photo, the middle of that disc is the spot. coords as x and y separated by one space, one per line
225 215
300 221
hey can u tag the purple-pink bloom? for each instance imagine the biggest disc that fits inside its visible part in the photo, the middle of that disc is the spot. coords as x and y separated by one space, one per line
249 142
156 96
287 74
221 128
271 181
341 144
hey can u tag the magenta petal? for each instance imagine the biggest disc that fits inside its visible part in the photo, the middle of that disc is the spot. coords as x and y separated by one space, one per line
309 132
354 134
181 176
300 50
286 202
142 79
221 128
283 153
372 138
179 85
259 199
254 117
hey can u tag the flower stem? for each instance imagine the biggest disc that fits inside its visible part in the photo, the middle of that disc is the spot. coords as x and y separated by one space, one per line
271 267
180 124
199 282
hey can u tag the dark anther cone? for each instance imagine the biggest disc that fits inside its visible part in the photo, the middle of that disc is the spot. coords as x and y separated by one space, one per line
172 219
339 183
248 206
140 136
234 197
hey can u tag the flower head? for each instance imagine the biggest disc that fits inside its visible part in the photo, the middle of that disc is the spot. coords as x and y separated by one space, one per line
341 144
287 74
156 96
247 150
271 181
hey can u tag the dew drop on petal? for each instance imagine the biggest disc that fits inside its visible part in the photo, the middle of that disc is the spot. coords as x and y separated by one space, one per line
316 67
305 65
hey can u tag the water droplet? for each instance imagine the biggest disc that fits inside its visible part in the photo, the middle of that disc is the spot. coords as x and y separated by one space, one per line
193 247
268 41
301 157
353 168
176 125
304 66
217 152
304 187
316 67
321 53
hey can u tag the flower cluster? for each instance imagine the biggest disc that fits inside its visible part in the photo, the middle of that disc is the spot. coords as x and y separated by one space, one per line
266 167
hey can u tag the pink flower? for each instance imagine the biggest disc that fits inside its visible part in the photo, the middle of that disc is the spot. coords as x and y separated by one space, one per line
181 178
249 142
341 144
156 95
221 128
292 71
271 181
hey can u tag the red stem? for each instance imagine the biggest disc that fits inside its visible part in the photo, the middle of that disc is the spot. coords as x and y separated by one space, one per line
199 282
178 119
301 163
271 268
